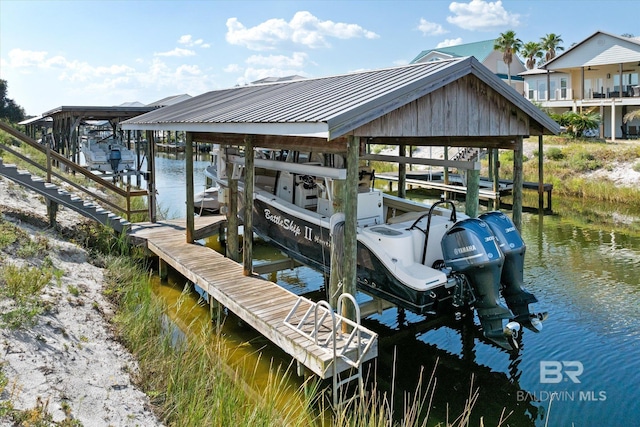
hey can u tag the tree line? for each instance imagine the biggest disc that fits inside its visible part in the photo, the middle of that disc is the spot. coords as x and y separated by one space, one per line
532 51
9 110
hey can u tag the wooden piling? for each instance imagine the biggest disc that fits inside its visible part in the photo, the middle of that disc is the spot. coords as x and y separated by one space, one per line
190 189
518 180
232 215
249 172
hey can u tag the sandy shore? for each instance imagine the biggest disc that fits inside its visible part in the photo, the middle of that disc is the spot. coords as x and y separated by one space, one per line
70 359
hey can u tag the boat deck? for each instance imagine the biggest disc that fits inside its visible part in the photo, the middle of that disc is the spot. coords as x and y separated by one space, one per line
262 304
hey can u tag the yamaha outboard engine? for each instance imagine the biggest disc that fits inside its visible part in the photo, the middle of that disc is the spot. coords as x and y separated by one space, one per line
114 158
513 248
470 248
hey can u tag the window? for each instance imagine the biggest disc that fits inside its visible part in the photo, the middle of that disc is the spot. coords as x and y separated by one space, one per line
563 88
542 90
552 88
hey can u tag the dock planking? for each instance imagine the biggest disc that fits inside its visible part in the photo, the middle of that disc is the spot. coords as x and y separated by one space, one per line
258 302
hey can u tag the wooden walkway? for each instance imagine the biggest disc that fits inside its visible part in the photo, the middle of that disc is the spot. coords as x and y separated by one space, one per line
260 303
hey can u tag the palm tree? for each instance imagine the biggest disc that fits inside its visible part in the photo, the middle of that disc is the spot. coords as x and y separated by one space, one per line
635 114
531 51
550 44
509 45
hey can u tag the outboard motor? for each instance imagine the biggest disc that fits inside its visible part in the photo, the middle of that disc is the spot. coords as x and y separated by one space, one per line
114 158
470 248
513 248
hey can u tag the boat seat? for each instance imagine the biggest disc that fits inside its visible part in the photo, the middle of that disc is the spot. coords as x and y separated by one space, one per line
408 216
412 216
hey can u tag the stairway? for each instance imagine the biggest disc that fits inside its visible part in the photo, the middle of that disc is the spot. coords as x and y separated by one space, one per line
469 154
64 198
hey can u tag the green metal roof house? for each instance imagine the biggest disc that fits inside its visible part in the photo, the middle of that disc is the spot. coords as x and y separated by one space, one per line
483 51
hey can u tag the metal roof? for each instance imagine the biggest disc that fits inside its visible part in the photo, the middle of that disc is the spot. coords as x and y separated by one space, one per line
327 107
579 45
480 50
97 112
169 100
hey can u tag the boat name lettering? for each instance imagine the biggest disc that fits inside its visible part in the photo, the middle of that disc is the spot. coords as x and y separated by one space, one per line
464 249
326 243
285 223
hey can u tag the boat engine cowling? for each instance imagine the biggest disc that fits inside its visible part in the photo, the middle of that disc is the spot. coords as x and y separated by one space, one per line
513 248
470 248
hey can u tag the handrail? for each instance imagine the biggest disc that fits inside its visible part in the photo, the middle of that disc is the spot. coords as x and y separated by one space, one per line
127 194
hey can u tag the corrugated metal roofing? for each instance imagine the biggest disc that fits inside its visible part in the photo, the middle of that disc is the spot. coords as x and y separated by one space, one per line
480 50
326 107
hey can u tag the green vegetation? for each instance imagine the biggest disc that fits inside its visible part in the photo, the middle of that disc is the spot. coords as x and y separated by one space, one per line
567 162
9 110
577 123
22 284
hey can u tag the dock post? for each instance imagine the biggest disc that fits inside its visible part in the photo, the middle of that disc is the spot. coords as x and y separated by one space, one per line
402 173
445 175
496 177
541 176
151 175
472 199
518 180
247 247
163 270
350 226
52 211
232 216
189 178
335 274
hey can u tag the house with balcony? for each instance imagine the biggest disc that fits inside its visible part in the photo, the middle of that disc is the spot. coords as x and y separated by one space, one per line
601 74
484 52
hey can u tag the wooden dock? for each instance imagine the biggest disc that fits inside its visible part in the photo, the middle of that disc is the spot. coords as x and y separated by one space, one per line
260 303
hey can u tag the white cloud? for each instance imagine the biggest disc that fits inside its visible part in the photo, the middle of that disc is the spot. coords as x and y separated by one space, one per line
232 68
188 41
262 66
176 52
19 58
304 29
110 84
450 42
430 28
482 15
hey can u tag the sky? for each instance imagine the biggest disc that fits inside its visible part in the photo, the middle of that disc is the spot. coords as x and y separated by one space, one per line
105 53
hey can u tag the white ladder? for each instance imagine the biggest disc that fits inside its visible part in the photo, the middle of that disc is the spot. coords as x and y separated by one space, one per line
334 340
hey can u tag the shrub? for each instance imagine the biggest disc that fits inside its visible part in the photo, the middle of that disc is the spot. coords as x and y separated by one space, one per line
583 161
554 153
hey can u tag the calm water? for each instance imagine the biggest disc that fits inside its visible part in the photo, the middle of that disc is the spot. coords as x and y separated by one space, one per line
583 264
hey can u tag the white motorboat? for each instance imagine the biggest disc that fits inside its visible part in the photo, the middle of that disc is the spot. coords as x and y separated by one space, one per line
426 259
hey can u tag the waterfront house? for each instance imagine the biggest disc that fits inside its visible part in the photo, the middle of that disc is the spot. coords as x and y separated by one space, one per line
484 52
597 74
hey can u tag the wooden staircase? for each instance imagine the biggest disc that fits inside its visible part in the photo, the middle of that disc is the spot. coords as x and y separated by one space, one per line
54 193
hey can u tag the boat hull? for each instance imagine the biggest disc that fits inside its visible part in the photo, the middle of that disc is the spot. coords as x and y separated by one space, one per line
307 239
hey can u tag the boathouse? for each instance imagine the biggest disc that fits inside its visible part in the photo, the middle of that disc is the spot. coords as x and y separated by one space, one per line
457 102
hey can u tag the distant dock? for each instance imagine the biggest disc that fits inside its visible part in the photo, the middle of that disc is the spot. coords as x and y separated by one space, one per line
435 181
